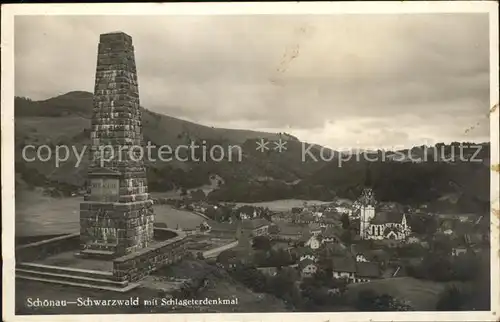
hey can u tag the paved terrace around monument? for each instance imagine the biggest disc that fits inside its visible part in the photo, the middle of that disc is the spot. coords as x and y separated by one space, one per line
152 247
68 259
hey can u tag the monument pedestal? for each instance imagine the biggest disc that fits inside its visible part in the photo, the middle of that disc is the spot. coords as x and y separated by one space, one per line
110 227
115 229
116 217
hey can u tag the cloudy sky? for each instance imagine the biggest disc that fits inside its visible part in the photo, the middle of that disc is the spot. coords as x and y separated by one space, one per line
341 81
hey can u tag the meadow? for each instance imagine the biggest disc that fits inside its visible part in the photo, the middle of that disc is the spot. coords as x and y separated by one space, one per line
283 205
422 294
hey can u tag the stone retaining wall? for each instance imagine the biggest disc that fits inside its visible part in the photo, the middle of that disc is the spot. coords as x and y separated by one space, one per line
216 251
135 266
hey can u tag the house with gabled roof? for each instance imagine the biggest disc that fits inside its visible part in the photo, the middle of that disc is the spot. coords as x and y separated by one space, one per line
329 250
377 255
307 268
256 227
326 222
220 229
331 235
343 267
460 246
360 253
289 232
306 217
313 242
366 271
232 258
360 257
314 229
304 238
303 253
413 239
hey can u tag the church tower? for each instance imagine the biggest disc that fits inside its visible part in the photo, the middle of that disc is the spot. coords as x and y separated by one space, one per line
367 203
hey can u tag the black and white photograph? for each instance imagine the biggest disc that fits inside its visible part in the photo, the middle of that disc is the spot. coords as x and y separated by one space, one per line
201 161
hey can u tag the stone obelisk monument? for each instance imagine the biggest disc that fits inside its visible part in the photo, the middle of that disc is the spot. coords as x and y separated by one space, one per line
116 217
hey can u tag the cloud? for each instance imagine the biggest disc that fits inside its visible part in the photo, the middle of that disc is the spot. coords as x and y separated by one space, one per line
410 77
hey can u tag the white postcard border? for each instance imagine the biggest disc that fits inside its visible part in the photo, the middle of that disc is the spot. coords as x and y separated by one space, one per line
295 8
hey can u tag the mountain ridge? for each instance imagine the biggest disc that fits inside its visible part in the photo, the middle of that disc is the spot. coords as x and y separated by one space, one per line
80 103
65 120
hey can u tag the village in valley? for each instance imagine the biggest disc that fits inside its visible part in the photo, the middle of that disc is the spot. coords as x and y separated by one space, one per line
331 246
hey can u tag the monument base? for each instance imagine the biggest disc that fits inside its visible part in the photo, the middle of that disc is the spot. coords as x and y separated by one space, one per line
114 229
54 261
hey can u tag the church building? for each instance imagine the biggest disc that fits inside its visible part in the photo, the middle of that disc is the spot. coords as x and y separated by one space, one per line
376 224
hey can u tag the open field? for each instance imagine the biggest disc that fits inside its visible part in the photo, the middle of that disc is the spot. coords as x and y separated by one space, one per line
173 217
37 214
423 295
283 205
175 194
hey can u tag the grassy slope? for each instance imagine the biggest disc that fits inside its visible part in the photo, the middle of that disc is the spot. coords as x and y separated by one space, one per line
422 295
71 112
65 120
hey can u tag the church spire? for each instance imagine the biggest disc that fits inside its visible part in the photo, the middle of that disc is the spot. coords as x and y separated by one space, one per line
368 177
367 195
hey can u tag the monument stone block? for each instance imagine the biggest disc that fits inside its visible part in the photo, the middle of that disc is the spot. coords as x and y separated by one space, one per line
117 214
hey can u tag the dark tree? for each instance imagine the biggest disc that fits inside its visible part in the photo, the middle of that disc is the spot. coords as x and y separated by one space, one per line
261 258
279 258
251 278
365 300
345 221
211 213
283 285
346 236
261 243
369 300
198 195
451 299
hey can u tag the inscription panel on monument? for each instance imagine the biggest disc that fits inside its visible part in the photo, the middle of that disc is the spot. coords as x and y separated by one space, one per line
104 189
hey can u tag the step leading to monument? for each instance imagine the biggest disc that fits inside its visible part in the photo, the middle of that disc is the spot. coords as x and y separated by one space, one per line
98 254
84 284
65 270
72 278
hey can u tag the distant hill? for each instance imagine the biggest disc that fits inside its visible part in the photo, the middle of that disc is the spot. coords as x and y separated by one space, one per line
65 120
77 105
